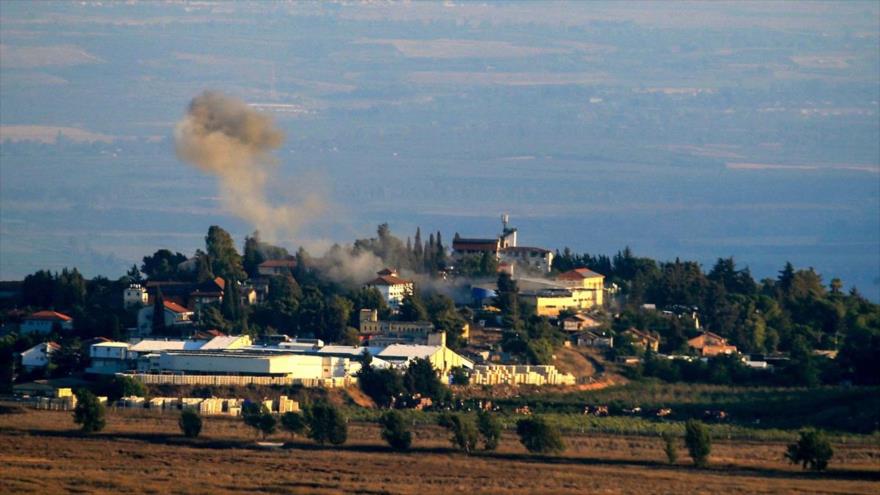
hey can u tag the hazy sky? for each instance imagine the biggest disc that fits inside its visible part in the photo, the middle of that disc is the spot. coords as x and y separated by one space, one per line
695 130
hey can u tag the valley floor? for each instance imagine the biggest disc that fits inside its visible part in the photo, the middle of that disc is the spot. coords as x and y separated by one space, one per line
42 452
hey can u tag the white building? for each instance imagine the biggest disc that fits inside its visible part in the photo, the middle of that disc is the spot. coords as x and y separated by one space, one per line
108 358
538 259
135 295
43 322
175 314
38 356
115 357
249 362
392 287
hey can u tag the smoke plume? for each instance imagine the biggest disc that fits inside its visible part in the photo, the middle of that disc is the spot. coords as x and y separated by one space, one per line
225 137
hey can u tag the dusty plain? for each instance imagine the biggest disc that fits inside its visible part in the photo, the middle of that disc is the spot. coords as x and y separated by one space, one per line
142 452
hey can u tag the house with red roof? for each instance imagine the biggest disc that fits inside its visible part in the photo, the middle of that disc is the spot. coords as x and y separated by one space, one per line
44 321
271 268
175 315
38 356
391 286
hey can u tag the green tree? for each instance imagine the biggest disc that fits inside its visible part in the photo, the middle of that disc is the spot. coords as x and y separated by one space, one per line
252 254
338 313
231 305
225 260
327 424
294 423
159 313
460 376
162 265
490 429
420 377
259 418
89 412
538 436
698 441
190 423
507 300
395 430
464 431
70 358
381 385
812 451
124 386
412 308
670 447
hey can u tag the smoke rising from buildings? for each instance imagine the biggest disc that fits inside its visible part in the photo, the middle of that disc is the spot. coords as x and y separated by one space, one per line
225 137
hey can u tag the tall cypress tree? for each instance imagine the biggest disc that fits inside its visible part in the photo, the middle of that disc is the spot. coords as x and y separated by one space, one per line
159 313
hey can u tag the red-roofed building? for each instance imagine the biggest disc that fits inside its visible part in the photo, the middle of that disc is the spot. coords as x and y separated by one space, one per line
44 321
175 315
710 344
392 287
269 268
38 356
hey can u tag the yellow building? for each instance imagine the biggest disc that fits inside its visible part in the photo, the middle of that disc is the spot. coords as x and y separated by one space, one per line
575 289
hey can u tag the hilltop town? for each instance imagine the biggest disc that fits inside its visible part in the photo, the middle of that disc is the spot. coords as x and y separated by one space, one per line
483 311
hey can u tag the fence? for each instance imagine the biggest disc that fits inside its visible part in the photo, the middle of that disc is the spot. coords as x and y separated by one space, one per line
232 380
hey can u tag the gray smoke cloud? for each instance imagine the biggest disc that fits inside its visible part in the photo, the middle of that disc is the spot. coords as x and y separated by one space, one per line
225 137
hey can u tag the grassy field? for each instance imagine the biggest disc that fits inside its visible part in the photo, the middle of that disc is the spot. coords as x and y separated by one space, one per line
41 452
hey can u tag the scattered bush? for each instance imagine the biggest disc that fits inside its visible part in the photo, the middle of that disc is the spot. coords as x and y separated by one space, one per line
538 436
395 431
89 412
190 423
293 423
698 441
490 430
259 418
812 451
327 424
464 432
670 447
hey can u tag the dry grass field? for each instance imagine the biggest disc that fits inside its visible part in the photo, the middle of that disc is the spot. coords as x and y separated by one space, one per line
41 452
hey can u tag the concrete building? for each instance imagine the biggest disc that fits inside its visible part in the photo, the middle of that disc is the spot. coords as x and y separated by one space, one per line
43 322
587 286
108 358
643 339
534 258
38 356
595 338
441 357
249 362
392 287
175 314
502 374
579 323
135 295
384 332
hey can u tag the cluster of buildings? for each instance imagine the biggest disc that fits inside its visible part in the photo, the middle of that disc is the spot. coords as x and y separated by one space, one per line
307 359
505 250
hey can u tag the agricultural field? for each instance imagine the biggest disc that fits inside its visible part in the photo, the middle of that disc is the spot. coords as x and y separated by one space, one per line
144 452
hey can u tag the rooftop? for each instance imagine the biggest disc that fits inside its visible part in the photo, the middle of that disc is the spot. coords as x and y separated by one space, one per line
49 315
579 274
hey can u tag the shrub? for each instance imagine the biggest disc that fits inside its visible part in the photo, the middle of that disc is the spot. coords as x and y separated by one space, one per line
190 423
538 436
460 376
327 424
464 432
812 451
89 412
670 447
490 430
699 444
293 423
258 418
395 431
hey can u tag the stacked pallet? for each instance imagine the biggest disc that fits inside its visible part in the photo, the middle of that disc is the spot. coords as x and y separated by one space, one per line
500 374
